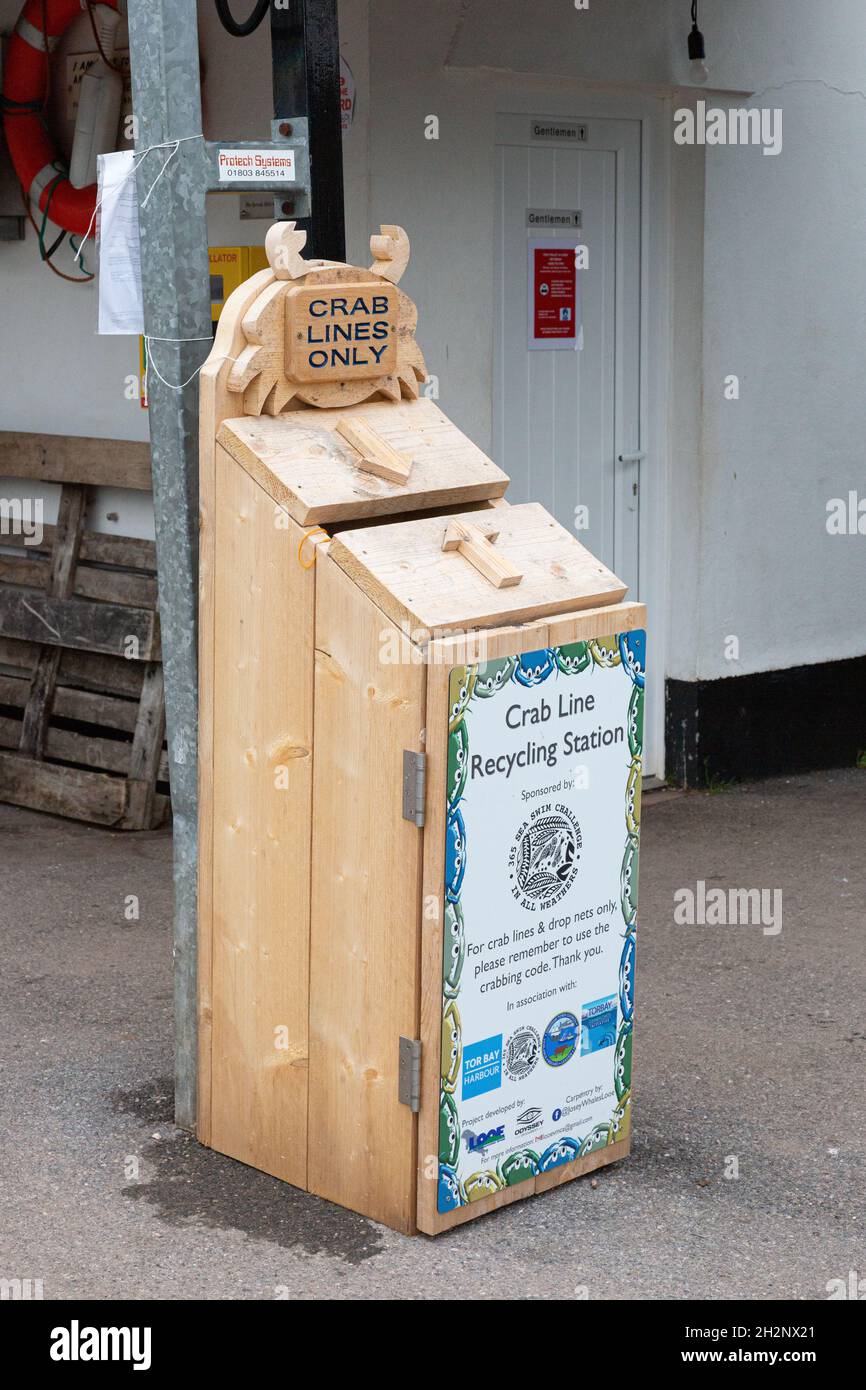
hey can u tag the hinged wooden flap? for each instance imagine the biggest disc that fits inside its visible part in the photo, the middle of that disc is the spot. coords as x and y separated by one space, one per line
407 573
303 461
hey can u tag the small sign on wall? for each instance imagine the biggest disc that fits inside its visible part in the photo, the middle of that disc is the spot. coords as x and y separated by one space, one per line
347 96
569 132
554 297
553 218
253 166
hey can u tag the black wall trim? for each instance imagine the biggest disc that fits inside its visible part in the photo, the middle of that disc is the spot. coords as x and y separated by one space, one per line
757 726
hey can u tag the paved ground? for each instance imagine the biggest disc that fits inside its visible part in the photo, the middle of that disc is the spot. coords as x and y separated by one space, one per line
749 1045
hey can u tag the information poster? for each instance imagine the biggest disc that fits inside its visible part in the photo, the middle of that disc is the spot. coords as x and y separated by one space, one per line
543 823
554 299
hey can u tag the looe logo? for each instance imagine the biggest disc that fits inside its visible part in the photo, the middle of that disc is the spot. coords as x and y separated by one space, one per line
477 1143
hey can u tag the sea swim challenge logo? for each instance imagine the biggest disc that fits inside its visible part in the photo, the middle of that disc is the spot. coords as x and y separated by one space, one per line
543 859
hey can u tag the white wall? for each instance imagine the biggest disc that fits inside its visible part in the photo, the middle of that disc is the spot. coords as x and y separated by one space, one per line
779 273
784 276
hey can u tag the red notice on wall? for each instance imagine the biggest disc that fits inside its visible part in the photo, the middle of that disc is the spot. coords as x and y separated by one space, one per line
554 302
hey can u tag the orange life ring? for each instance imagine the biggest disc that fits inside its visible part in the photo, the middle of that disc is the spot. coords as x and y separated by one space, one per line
32 150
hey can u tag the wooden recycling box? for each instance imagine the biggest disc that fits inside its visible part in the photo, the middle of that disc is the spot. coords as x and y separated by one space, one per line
420 745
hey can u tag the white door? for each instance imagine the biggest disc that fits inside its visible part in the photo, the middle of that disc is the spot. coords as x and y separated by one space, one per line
567 422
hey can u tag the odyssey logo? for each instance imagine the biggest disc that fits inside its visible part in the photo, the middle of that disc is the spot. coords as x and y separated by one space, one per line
529 1120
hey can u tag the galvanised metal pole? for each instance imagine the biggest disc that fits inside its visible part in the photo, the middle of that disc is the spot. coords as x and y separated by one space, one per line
163 44
172 182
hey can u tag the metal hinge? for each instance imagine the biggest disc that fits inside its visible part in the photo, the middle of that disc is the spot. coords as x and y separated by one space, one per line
409 1085
414 786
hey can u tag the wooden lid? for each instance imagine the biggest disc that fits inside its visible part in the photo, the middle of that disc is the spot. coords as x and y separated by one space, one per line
304 462
407 572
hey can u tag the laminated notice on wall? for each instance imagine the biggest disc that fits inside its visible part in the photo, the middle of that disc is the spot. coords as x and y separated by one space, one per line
120 301
554 296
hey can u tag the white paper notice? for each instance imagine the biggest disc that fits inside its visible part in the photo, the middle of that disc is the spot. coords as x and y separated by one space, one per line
120 303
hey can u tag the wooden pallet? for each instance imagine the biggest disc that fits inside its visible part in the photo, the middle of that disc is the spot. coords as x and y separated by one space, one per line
82 718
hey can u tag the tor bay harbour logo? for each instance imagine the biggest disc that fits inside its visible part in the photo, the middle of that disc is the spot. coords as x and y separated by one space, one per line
544 855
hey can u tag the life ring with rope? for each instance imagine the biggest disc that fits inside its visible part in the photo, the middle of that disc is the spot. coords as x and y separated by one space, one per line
44 178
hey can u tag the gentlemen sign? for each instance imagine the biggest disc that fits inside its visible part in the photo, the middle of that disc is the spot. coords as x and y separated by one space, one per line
341 331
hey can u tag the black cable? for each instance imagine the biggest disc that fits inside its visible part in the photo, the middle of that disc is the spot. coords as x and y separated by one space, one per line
249 26
695 12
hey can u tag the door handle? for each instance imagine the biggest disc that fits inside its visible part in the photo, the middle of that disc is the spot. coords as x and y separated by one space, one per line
637 457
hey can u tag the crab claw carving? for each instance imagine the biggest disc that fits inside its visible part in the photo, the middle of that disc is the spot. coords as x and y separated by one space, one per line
283 246
390 250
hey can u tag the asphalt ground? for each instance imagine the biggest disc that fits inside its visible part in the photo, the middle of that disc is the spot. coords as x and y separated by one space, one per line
749 1060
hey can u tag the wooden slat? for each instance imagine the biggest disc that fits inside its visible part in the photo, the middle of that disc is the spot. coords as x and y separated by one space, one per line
477 548
98 547
60 580
109 586
364 931
62 791
85 706
80 623
60 458
85 670
92 751
261 751
144 760
375 454
216 402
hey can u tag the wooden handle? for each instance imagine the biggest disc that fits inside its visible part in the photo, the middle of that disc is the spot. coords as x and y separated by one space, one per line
377 455
477 547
